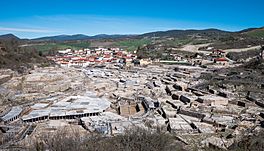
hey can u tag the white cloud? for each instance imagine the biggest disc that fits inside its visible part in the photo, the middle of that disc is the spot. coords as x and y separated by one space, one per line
29 30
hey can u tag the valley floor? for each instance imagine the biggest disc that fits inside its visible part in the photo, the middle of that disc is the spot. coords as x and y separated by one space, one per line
177 99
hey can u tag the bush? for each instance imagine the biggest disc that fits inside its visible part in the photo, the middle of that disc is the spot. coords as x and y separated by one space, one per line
250 143
133 140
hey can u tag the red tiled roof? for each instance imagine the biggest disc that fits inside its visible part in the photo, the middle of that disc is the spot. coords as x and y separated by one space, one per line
107 56
220 59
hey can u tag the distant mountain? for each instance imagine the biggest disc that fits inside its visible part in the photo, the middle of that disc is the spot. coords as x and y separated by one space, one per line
247 30
170 33
8 37
63 38
184 33
205 33
79 37
105 36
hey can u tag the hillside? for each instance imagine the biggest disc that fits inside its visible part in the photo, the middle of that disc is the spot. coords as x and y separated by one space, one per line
256 32
8 37
212 33
49 47
186 33
79 37
14 57
162 40
62 38
218 39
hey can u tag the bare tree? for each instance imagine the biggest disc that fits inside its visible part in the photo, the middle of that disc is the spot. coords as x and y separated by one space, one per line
135 139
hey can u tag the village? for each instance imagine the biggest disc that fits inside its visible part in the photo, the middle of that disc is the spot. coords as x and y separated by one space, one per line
103 56
159 75
87 57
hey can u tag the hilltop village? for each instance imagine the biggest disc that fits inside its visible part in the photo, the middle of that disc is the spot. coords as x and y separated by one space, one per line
110 90
86 57
103 56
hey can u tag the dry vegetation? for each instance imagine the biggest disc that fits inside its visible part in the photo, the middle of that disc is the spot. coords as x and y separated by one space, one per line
14 57
133 140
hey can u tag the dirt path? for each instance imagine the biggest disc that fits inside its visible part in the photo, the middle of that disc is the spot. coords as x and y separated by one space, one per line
195 48
242 49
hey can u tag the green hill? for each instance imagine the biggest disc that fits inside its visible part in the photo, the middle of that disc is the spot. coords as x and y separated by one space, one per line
45 47
258 33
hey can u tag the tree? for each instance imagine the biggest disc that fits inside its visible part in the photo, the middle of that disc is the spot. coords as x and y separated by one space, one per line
40 53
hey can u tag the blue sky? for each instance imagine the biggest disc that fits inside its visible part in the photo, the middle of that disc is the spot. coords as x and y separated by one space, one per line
36 18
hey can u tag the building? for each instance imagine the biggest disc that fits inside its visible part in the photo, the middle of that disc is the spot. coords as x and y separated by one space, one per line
12 115
69 108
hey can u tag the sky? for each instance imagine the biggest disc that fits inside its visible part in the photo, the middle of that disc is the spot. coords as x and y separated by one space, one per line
37 18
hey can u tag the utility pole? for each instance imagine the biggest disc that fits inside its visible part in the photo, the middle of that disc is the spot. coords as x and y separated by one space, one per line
154 38
262 52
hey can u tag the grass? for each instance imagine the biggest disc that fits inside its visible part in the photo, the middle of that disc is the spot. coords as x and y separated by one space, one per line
59 46
178 42
132 45
259 33
181 42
